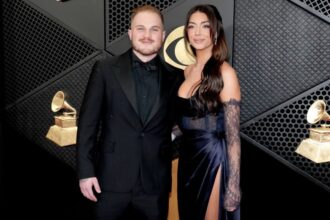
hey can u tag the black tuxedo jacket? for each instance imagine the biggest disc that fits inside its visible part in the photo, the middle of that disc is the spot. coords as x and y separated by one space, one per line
125 146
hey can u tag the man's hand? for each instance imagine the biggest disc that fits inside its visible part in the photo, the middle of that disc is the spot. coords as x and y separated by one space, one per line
86 188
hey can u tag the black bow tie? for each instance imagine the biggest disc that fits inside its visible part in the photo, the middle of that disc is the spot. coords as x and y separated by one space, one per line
149 66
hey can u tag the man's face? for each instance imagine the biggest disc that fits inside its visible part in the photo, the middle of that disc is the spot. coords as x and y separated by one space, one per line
146 34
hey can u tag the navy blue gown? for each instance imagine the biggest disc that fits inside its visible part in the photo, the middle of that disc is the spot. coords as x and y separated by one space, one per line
203 151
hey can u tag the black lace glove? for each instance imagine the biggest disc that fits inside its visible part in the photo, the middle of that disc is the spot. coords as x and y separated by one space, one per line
232 125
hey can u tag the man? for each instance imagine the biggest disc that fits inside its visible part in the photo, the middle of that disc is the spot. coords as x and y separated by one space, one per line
132 95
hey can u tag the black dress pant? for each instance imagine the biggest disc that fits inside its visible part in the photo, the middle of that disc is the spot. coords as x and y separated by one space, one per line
134 205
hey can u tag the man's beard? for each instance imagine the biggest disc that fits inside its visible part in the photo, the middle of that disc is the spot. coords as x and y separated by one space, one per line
146 52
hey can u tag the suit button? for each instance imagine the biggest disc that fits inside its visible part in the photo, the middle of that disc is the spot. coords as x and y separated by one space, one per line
142 134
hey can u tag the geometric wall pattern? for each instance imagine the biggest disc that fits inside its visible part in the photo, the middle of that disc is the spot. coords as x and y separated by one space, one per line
281 53
33 116
36 49
43 56
119 14
282 57
320 8
280 130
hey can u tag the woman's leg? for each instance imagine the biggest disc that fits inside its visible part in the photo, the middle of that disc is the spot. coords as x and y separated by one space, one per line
212 211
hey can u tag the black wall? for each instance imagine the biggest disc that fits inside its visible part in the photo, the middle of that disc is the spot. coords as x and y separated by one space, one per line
41 186
280 50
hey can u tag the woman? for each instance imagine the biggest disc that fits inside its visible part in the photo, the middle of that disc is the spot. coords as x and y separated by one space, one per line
209 112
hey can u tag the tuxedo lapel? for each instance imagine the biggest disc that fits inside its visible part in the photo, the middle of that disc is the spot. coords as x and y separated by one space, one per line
125 77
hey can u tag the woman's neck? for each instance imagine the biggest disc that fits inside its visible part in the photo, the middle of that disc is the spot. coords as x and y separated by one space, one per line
202 57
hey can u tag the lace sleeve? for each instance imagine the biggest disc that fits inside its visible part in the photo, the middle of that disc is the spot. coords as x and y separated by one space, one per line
232 125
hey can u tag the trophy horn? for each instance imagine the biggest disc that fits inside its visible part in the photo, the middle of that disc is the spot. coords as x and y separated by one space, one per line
64 131
59 103
317 112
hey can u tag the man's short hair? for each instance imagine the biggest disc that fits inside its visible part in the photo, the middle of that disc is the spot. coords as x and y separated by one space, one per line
150 8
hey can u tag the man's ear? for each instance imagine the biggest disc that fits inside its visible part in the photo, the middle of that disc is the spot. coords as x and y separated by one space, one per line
164 35
129 34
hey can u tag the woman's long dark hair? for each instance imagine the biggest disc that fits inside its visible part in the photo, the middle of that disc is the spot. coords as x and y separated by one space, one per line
207 93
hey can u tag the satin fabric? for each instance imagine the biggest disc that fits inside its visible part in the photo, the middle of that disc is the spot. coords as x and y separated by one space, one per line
203 151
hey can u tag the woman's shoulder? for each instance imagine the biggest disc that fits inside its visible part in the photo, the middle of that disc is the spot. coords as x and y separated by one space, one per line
231 88
227 69
228 73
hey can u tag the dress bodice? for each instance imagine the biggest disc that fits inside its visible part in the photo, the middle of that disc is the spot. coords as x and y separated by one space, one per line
188 120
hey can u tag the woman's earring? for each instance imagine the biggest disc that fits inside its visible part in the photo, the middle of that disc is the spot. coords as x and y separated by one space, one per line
215 38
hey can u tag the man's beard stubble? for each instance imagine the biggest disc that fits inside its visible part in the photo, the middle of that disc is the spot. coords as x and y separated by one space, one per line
146 52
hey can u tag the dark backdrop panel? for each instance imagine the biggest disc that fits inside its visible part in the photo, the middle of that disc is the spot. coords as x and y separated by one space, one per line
320 8
282 56
36 49
85 17
33 116
46 50
174 15
118 21
280 51
41 56
280 130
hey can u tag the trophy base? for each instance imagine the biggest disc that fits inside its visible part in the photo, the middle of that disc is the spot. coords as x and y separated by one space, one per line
62 136
317 151
65 121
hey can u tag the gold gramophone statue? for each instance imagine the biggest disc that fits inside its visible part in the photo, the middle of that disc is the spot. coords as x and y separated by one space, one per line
64 132
317 146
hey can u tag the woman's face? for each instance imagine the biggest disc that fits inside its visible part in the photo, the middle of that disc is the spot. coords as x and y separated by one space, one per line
198 31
